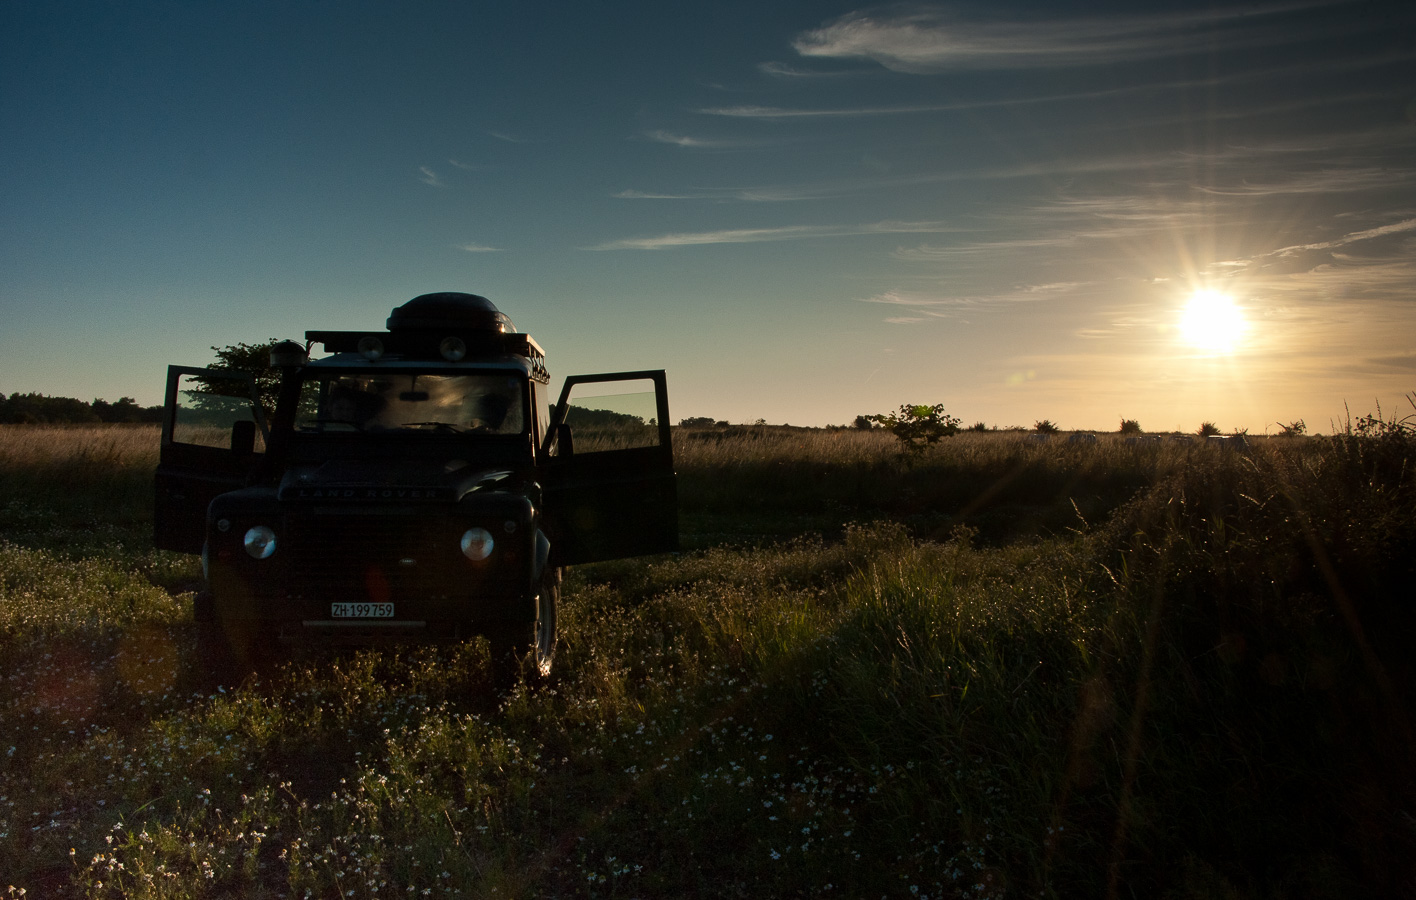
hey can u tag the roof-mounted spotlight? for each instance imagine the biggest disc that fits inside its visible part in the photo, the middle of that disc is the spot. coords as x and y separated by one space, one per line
288 355
370 347
452 348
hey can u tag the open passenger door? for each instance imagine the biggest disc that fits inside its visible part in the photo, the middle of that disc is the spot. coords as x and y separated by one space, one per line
614 493
213 436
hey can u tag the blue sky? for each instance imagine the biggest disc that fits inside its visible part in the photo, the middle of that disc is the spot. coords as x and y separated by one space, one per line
804 211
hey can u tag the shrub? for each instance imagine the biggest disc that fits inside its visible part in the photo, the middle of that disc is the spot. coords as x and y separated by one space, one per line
1208 429
1130 426
1046 426
978 426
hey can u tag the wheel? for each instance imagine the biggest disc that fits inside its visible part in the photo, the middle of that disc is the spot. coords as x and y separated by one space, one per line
528 648
543 648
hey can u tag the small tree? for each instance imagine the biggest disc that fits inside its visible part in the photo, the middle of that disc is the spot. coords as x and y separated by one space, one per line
254 360
919 424
864 423
1045 427
1293 429
1208 429
1130 426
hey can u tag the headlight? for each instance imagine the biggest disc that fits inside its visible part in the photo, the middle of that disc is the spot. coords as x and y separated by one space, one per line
477 543
260 542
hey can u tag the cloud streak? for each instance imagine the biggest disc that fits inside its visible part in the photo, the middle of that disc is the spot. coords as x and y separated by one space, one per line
778 112
1405 225
929 40
943 306
761 235
693 143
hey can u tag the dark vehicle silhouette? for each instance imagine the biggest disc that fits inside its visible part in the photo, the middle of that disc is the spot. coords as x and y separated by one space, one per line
414 484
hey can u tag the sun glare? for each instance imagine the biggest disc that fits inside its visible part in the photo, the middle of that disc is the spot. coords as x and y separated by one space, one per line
1212 321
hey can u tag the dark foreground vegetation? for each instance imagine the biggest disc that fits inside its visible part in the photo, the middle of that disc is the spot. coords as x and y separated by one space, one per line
994 668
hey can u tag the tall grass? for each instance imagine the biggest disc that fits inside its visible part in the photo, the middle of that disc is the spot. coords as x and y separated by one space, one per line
82 488
779 480
1205 692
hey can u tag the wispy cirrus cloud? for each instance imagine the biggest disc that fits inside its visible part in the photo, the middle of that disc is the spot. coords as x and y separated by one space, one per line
429 177
931 253
692 143
656 195
762 194
782 70
1366 234
678 140
760 235
847 186
1376 261
480 248
931 304
748 111
778 112
1332 180
932 40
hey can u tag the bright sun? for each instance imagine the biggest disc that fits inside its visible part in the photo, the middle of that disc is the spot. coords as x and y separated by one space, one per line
1212 321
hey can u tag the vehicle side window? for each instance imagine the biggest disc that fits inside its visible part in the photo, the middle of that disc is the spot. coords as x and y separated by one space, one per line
540 397
207 406
618 415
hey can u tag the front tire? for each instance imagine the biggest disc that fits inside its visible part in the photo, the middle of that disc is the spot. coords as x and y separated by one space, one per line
528 649
543 648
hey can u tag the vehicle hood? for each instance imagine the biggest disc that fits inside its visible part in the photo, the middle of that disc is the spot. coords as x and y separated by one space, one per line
402 480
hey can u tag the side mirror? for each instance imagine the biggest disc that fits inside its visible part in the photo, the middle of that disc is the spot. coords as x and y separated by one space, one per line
243 437
565 444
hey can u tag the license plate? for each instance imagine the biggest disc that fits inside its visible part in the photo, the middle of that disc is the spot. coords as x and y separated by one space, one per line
361 610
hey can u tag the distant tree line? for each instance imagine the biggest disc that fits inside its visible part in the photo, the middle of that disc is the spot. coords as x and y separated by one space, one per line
39 409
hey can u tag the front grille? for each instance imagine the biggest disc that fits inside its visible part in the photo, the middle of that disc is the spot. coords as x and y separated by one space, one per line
375 557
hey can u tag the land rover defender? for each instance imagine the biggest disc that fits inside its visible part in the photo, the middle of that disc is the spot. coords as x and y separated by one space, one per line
415 483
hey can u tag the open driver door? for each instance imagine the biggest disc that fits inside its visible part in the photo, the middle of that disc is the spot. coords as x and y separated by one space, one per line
608 469
213 437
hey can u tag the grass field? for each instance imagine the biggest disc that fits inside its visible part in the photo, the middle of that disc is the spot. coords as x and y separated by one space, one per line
996 669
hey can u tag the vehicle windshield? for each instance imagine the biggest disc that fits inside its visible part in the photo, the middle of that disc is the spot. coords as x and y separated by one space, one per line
413 402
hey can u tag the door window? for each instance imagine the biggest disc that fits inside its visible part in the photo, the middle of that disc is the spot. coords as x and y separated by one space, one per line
617 415
206 406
